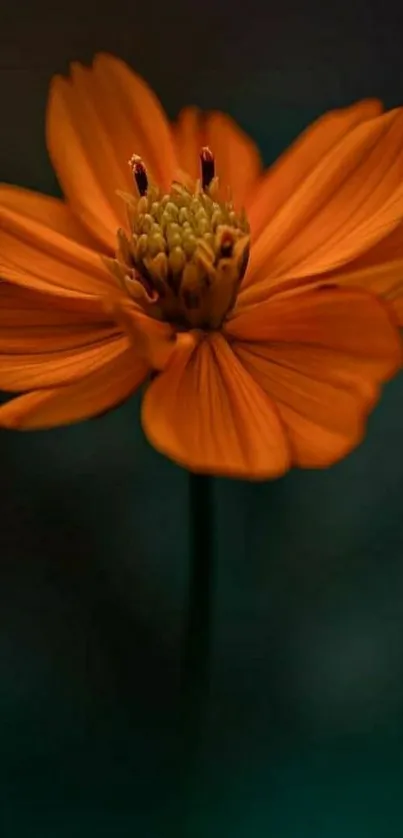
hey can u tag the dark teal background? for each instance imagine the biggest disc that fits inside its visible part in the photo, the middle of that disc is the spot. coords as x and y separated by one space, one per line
305 732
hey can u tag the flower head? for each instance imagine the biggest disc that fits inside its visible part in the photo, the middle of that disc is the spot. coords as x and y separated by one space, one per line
250 301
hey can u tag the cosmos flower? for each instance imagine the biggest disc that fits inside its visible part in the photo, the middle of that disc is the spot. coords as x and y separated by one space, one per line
249 302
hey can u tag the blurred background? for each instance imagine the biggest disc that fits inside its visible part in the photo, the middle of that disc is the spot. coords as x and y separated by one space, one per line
305 725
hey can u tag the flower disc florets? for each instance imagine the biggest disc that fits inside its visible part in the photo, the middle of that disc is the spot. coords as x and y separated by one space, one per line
187 250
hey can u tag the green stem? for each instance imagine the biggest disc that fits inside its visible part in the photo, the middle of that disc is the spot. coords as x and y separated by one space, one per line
195 671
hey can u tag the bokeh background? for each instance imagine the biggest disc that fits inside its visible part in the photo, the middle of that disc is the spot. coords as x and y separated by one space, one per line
305 726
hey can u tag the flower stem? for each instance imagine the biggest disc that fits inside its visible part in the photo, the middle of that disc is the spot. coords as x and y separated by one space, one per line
195 670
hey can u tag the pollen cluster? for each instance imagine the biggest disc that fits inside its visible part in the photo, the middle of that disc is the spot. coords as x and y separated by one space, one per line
186 252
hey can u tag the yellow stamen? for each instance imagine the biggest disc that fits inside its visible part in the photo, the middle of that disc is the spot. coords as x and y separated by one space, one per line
187 250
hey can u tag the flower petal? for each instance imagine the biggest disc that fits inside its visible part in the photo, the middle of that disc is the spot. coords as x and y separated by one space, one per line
188 137
349 202
29 371
96 121
31 322
293 167
206 413
154 340
40 240
102 390
321 355
52 213
237 158
379 270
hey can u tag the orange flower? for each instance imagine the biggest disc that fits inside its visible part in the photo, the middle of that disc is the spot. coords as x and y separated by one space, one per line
251 371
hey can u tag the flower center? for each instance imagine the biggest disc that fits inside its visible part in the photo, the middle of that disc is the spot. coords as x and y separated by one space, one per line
187 251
